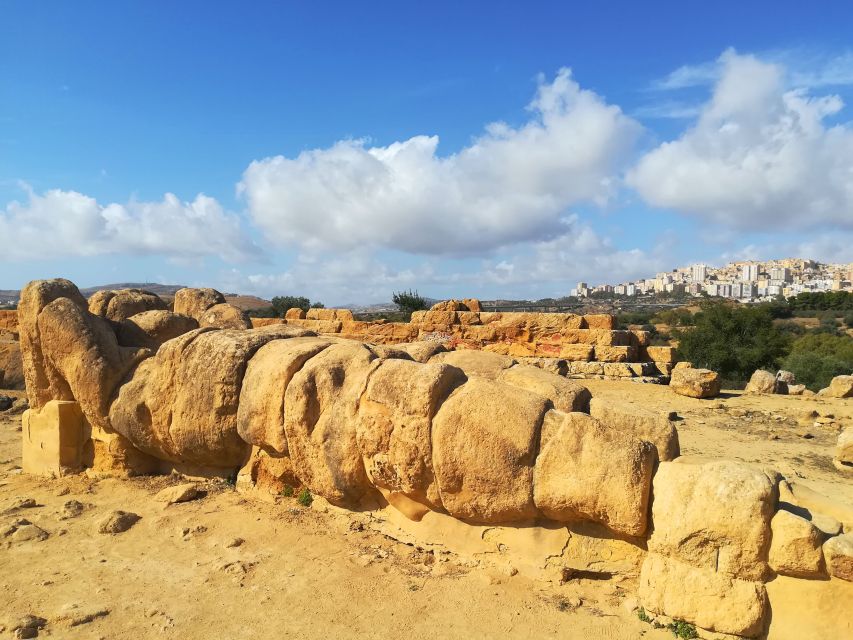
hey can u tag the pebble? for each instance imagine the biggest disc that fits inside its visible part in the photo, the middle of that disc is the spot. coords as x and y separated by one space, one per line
118 522
234 542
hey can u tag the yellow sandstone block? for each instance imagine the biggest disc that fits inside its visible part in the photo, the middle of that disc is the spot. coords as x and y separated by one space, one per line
53 439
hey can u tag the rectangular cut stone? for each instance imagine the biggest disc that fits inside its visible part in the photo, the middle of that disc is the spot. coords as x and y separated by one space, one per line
640 338
659 354
576 352
615 354
608 338
53 439
600 321
468 317
618 370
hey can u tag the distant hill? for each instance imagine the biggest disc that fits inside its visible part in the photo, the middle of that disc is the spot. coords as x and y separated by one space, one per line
163 290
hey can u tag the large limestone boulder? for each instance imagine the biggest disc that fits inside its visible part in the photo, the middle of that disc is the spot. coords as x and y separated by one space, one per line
123 303
42 381
194 302
566 395
475 363
795 549
181 405
422 351
588 471
150 329
714 515
320 422
762 381
639 422
840 387
484 450
260 415
84 358
708 599
395 423
843 451
839 556
225 316
11 364
695 383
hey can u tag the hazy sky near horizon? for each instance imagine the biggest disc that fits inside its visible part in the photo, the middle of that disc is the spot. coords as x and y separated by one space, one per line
346 150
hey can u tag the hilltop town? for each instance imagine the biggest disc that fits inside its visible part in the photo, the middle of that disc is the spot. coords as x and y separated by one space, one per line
748 281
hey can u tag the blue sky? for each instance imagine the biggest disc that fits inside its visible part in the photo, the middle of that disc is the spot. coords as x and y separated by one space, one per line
343 151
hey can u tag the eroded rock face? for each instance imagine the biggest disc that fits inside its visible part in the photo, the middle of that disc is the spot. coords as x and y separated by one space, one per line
225 316
11 364
839 556
484 451
641 423
194 302
708 599
566 395
476 363
321 418
181 405
762 381
395 422
695 383
589 471
844 451
714 516
150 329
123 303
840 387
795 549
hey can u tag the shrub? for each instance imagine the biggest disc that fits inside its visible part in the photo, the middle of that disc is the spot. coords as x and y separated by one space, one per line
848 320
409 301
282 303
287 492
642 615
305 498
817 357
734 341
681 629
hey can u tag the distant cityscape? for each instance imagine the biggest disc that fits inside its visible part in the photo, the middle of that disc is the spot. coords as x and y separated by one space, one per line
748 281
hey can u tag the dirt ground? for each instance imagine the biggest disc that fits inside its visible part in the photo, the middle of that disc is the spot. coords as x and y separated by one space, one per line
231 566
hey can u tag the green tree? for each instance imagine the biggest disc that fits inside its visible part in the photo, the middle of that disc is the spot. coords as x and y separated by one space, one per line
409 301
282 303
734 341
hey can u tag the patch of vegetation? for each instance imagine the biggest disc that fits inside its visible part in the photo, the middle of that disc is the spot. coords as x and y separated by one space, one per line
409 301
817 357
683 630
642 615
822 301
287 492
734 341
305 498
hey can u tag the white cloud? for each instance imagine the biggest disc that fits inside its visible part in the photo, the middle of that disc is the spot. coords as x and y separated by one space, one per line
509 186
60 223
689 76
759 156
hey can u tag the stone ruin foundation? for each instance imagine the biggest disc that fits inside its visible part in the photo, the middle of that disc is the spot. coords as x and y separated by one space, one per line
467 448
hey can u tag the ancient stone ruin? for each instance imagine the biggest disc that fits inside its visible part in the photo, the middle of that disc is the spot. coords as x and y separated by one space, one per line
451 440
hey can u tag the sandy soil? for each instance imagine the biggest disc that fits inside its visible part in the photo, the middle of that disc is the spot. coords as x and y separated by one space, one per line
314 573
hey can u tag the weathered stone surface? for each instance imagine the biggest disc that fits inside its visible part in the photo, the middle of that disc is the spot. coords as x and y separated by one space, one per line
714 515
395 422
11 364
123 303
118 522
85 359
225 316
53 438
422 351
660 354
639 422
615 354
484 451
588 471
708 599
838 552
695 383
42 381
194 302
341 315
840 387
181 405
321 418
295 313
795 549
577 352
260 415
178 493
150 329
565 395
475 363
844 450
761 381
797 389
786 376
600 321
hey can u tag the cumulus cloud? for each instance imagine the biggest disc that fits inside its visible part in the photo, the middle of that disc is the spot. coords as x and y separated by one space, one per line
66 223
760 156
508 186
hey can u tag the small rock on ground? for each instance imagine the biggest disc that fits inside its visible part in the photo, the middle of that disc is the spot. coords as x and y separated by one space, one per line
118 522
